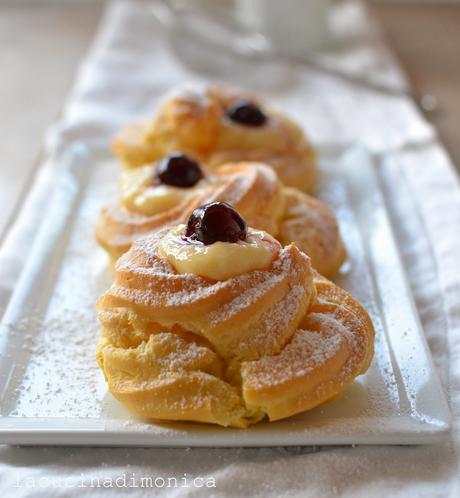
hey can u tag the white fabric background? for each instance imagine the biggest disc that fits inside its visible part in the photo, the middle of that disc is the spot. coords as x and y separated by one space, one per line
129 67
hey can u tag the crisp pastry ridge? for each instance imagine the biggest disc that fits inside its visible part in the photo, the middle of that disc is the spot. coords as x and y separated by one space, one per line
193 119
255 191
270 342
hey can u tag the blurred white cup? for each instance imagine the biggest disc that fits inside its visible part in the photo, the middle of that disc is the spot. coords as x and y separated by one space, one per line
292 26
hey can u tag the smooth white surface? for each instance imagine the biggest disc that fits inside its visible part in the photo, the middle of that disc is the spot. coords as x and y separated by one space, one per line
53 392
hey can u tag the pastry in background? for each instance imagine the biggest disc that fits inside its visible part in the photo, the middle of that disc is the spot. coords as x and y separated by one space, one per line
214 321
216 126
166 192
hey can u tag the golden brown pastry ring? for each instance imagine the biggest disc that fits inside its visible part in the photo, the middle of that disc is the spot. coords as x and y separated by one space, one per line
193 120
272 342
252 189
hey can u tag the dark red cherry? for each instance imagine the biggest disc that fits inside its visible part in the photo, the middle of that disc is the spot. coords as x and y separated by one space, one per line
179 170
246 113
216 221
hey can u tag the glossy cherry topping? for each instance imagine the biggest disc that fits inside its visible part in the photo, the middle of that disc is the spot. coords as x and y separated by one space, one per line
216 221
179 170
246 113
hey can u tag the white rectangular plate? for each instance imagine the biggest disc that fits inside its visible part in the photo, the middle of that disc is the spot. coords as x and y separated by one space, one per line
53 393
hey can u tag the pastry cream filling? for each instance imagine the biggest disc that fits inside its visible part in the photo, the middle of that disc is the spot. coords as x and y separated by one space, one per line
276 135
221 260
138 193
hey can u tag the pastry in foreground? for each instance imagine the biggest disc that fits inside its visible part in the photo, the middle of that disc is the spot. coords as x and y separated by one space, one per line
217 126
166 192
216 322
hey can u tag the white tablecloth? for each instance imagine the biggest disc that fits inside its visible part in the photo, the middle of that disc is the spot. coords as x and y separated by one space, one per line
130 66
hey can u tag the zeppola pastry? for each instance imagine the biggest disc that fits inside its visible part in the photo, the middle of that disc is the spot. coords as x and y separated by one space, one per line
218 126
166 192
214 321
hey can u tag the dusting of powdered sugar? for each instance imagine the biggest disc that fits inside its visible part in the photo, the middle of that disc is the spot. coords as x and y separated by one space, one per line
259 283
183 289
268 332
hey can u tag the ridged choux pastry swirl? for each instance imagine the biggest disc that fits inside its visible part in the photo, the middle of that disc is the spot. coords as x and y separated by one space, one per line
226 332
253 189
216 126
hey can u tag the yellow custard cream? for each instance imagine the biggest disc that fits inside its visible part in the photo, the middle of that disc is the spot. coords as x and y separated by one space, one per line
274 136
221 260
138 193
